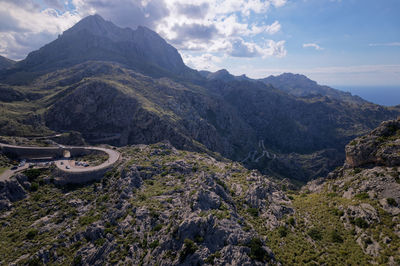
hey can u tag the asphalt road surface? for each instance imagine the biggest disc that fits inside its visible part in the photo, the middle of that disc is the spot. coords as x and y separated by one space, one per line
113 157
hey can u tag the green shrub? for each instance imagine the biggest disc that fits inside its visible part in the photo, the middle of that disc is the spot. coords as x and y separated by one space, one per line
198 239
35 261
315 234
210 259
257 252
391 202
77 260
283 231
189 248
253 212
154 244
357 170
85 220
157 227
335 237
362 195
360 222
32 174
337 212
32 233
99 242
292 221
34 186
221 183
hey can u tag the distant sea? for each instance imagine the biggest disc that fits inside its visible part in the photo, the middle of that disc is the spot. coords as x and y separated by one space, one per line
383 95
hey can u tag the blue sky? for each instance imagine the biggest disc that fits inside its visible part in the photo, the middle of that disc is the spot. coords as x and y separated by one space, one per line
335 42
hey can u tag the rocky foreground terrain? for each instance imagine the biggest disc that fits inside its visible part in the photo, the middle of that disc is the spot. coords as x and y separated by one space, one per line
164 206
159 206
365 193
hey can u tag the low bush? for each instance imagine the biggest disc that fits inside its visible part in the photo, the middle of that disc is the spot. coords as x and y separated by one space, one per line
257 252
32 233
253 212
336 237
283 231
360 222
315 234
189 248
391 202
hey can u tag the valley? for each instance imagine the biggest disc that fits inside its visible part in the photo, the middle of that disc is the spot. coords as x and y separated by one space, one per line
114 152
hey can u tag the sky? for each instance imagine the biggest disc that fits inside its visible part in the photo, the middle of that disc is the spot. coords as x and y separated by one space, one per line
335 42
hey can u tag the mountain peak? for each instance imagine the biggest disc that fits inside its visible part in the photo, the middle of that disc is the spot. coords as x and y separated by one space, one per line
5 62
98 26
96 39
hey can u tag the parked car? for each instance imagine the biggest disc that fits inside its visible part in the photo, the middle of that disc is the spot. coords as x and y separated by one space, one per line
67 167
14 167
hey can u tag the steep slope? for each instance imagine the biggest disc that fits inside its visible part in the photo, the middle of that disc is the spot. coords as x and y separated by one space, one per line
93 38
5 62
107 101
361 200
125 86
160 206
301 86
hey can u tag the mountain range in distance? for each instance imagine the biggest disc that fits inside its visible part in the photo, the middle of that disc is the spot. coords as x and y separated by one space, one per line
212 168
102 80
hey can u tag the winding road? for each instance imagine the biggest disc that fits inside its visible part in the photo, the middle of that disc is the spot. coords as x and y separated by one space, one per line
113 157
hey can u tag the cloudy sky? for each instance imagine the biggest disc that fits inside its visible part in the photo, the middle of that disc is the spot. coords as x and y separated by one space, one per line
336 42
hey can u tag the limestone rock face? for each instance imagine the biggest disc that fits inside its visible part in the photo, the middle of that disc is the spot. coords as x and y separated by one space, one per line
380 147
370 183
94 38
12 190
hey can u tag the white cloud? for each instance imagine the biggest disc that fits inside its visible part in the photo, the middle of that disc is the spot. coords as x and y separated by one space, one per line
313 45
31 27
207 26
385 44
202 62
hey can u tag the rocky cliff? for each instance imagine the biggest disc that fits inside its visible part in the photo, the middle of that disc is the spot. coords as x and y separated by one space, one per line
365 193
160 206
380 147
93 38
124 86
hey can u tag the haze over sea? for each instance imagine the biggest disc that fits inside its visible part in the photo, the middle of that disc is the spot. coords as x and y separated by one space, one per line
383 95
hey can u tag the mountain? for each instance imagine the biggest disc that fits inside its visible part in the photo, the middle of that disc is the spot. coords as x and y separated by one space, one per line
161 205
93 38
96 79
223 75
301 86
361 199
5 62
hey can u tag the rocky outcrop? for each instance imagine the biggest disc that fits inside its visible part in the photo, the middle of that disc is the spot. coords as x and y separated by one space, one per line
12 190
161 206
125 86
380 147
368 189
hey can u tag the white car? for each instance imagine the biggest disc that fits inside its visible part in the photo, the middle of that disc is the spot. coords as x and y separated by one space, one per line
67 167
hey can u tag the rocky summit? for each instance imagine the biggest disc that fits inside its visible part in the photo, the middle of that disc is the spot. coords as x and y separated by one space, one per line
114 152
